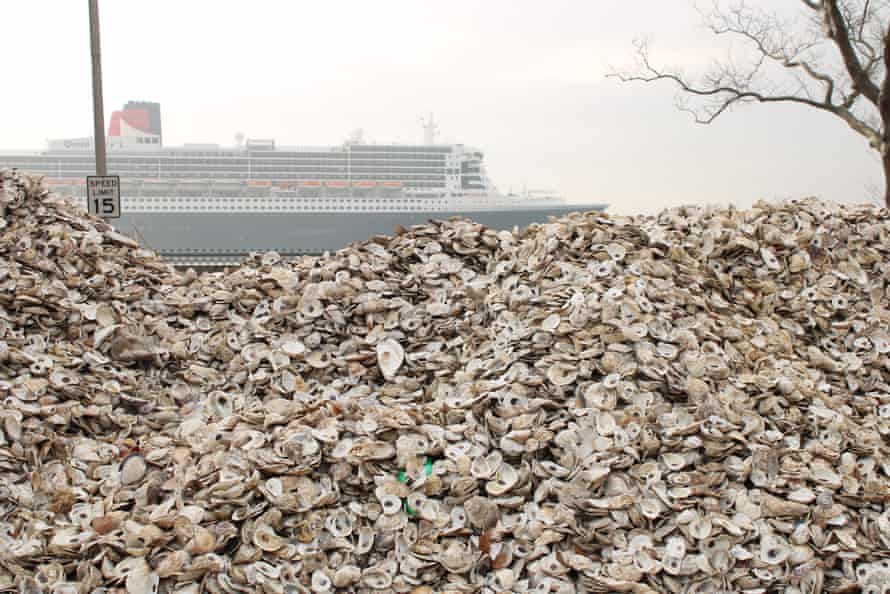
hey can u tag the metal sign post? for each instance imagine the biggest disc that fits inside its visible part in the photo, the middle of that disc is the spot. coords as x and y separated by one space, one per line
103 190
98 110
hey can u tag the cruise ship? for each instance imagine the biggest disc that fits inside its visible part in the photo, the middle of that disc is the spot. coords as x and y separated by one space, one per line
211 205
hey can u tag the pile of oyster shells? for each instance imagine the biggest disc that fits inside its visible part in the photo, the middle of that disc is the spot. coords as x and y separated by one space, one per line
695 402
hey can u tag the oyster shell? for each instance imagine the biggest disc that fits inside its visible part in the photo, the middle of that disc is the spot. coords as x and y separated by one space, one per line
693 402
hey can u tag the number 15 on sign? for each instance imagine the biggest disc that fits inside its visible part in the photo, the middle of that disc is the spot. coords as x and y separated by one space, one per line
104 195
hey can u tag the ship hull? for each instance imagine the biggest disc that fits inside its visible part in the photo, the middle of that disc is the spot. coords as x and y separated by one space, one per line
218 239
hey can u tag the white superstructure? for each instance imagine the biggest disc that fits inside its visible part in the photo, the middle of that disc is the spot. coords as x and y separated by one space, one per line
259 176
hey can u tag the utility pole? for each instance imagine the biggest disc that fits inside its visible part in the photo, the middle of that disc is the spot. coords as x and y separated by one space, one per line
98 110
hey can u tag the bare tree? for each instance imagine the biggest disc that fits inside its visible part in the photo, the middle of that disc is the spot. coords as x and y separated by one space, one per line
834 59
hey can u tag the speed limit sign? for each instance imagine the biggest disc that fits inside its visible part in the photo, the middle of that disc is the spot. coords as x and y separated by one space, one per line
104 195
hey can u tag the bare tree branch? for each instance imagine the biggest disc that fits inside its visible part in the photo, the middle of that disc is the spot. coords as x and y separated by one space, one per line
839 61
744 23
864 17
836 30
729 95
735 93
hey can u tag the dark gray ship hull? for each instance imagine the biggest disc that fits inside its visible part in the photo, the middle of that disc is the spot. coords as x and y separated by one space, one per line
219 239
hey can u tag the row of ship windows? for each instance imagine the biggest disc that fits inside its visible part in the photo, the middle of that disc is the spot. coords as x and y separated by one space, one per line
304 159
365 148
30 167
293 155
32 159
373 158
353 158
174 187
291 196
71 169
264 193
206 154
397 164
405 168
280 162
354 150
282 207
277 199
405 176
326 176
54 164
243 166
386 173
68 167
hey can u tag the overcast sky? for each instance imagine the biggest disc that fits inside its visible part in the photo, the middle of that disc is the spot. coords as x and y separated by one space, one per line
521 79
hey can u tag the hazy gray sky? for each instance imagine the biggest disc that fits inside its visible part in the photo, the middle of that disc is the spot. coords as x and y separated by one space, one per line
521 79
